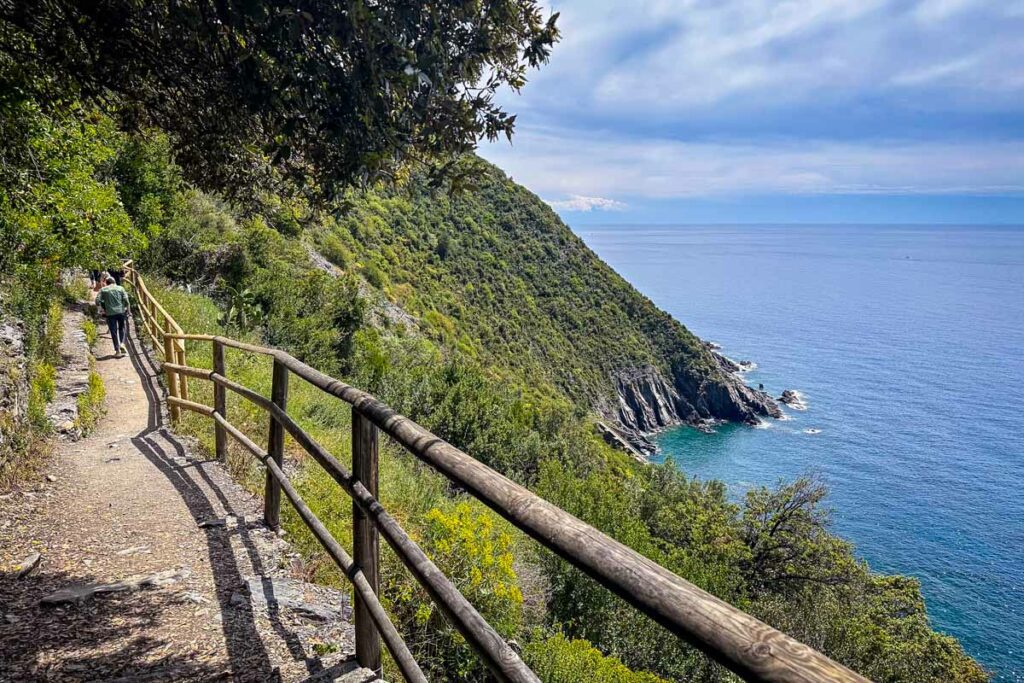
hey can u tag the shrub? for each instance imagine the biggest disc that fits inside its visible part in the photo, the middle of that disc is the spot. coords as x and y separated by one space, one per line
76 290
60 208
560 660
90 401
375 275
471 547
91 333
53 333
42 390
335 251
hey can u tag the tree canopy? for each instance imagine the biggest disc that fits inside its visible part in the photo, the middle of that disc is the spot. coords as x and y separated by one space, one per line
326 93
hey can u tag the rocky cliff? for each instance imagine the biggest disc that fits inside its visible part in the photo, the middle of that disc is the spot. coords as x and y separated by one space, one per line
649 401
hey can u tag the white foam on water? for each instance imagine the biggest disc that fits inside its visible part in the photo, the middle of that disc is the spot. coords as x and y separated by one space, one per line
801 401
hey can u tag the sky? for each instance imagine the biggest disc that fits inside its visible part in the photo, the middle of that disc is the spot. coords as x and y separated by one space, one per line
748 111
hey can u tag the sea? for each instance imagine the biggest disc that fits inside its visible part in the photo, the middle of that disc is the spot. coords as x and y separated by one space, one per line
906 343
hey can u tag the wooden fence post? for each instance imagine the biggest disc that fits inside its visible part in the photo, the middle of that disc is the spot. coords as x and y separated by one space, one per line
179 347
365 539
172 384
150 322
153 334
272 491
220 403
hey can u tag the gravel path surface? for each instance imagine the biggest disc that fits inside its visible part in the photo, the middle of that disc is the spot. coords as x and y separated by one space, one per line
154 596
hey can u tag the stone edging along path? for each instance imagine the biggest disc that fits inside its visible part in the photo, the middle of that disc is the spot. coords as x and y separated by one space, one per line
72 376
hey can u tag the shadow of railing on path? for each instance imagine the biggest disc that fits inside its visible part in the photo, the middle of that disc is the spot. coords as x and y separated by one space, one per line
246 651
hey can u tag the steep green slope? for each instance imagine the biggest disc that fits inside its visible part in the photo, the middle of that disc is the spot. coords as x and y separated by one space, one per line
497 273
491 277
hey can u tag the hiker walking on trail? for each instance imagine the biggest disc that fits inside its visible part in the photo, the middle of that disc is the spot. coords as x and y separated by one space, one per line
113 301
117 274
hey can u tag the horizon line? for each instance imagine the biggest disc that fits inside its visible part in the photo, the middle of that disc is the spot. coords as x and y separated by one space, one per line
925 224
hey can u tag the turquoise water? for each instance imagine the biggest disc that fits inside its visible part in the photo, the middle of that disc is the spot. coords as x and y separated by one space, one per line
908 345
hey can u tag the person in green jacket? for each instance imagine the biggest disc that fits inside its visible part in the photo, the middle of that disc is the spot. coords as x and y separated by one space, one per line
113 301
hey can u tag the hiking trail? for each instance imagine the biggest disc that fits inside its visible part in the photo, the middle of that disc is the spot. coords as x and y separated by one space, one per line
154 564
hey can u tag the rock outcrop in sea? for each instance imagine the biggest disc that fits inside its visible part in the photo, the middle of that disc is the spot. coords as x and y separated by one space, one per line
730 365
649 402
793 399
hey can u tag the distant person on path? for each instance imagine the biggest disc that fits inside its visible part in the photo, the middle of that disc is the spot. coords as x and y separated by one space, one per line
101 281
117 274
113 301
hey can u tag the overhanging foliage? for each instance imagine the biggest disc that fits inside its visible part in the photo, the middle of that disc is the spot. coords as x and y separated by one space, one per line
323 93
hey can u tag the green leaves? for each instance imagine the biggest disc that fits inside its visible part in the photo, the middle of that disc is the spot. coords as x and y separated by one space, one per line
58 203
325 94
243 312
148 181
560 660
787 532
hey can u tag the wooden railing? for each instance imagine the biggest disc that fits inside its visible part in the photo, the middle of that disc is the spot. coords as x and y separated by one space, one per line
745 645
161 329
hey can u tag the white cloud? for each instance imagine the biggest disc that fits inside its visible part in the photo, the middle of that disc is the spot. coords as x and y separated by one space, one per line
704 98
929 11
935 72
662 57
587 167
579 202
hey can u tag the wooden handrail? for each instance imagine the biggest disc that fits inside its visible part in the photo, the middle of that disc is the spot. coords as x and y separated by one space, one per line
163 335
403 658
747 646
460 611
191 406
190 337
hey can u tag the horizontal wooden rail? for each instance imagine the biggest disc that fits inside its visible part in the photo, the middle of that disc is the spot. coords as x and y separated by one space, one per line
191 405
747 646
190 337
399 651
744 644
456 607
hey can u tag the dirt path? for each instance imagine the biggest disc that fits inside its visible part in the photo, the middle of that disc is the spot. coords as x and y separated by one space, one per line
127 501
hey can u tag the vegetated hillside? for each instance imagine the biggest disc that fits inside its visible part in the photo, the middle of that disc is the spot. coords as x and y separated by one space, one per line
495 272
253 275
